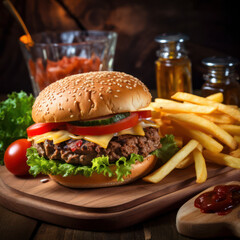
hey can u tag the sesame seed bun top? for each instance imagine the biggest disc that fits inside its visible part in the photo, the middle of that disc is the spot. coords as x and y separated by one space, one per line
90 95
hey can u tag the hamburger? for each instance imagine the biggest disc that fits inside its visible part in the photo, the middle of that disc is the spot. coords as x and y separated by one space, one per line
90 131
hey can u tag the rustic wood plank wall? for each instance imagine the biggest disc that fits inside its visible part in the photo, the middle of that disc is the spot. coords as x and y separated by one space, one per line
212 25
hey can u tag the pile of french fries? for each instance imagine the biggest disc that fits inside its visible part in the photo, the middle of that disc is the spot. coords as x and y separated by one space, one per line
205 129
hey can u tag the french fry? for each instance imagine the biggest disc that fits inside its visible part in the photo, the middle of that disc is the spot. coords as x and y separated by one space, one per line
222 159
173 106
219 118
233 106
164 170
205 140
232 129
200 147
188 97
186 162
204 125
237 139
233 112
200 166
216 97
235 153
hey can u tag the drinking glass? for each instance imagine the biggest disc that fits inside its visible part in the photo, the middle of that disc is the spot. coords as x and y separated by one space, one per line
55 55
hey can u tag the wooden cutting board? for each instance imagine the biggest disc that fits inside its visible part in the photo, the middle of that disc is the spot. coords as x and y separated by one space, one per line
191 222
105 208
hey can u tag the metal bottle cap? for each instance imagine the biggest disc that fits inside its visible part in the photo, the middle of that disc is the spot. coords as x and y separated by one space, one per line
167 38
220 69
220 61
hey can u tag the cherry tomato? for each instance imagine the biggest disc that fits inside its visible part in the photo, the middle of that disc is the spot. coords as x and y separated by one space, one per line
41 128
125 123
15 157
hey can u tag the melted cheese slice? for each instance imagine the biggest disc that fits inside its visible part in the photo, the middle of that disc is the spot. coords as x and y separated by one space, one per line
102 140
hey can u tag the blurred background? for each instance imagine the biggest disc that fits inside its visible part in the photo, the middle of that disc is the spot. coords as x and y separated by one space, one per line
212 26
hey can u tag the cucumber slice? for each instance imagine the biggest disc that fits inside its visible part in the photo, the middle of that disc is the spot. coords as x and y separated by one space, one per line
102 121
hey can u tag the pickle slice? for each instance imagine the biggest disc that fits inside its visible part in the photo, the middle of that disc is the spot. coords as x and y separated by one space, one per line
102 121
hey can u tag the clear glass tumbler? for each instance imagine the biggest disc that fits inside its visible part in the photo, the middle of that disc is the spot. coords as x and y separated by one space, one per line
55 55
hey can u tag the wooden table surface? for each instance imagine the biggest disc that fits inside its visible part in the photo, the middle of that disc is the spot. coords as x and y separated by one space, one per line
16 226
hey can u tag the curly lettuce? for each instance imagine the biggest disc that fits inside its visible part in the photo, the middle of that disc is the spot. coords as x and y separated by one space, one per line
15 117
100 165
168 149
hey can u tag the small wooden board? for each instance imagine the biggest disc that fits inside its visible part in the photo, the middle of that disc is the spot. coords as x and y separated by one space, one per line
192 222
104 209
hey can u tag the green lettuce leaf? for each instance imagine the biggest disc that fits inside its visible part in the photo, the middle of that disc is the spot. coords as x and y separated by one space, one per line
100 165
15 117
168 149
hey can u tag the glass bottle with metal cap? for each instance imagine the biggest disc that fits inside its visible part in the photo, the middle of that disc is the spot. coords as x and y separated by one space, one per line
173 67
221 76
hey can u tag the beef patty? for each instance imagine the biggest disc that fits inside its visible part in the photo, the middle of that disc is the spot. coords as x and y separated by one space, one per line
82 151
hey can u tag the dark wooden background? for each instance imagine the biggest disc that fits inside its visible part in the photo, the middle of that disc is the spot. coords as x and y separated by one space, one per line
212 25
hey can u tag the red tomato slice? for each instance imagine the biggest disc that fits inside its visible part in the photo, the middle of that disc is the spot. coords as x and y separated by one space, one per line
144 114
41 128
127 122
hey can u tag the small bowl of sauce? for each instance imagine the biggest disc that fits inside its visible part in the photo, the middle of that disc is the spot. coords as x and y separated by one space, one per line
221 200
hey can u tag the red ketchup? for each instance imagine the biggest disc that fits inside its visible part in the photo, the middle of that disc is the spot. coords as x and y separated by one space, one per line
221 200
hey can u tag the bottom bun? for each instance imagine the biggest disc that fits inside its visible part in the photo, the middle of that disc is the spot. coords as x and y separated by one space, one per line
99 180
